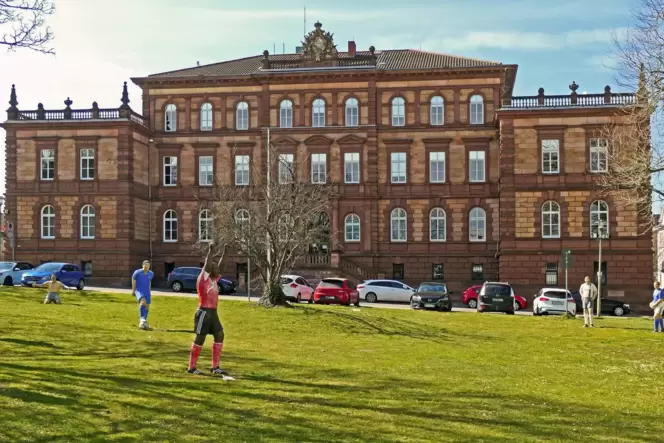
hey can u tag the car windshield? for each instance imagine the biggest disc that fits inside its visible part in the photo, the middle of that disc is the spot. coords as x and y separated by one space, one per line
49 267
4 265
497 290
554 294
432 288
331 284
285 280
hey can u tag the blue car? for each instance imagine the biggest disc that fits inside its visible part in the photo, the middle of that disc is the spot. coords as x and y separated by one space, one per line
68 274
184 279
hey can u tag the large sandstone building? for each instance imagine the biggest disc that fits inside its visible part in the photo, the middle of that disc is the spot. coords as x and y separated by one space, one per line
441 172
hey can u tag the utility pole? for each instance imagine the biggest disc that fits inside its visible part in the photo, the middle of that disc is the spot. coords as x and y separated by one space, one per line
600 231
267 208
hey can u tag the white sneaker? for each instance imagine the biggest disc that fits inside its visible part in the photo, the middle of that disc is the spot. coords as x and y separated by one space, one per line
143 325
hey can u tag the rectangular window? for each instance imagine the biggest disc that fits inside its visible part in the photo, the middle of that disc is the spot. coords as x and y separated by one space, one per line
551 156
286 116
437 167
87 163
170 171
477 273
604 273
437 271
599 148
398 272
47 164
242 170
205 170
398 167
286 168
551 274
352 167
318 168
352 118
477 166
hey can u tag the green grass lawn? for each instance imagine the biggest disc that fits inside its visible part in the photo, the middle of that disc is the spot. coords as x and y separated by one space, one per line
82 372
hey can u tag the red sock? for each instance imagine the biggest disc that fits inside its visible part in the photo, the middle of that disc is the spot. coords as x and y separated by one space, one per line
193 357
216 353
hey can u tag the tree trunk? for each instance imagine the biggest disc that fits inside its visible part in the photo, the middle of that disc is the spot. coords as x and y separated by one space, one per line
273 295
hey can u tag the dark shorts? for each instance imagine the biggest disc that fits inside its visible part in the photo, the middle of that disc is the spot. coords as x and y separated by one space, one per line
206 322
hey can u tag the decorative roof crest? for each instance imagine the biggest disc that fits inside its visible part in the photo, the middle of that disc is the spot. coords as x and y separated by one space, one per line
319 45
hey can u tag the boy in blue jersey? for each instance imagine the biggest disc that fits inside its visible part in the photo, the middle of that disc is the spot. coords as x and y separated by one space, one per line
658 306
141 283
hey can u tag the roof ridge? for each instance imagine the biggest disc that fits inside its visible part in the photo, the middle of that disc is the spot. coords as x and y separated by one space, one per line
454 55
206 65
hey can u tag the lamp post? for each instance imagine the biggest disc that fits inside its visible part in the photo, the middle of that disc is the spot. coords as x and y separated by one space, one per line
599 232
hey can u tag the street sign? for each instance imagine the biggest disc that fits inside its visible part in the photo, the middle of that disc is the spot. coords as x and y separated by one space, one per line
10 234
566 259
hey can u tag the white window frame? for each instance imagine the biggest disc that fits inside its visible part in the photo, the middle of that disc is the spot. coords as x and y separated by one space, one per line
87 163
205 223
47 164
474 157
318 168
286 170
47 222
352 112
207 116
550 219
171 162
476 105
240 216
437 157
599 213
205 170
397 160
242 116
477 220
437 111
170 216
352 225
171 118
437 220
550 152
318 113
599 147
398 111
87 216
286 114
352 167
242 170
400 216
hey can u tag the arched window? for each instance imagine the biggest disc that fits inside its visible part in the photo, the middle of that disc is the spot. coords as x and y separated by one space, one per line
352 112
206 117
550 220
242 216
286 114
477 225
437 111
318 113
242 116
476 110
398 111
87 222
599 218
205 225
399 224
170 226
48 222
171 118
352 228
437 228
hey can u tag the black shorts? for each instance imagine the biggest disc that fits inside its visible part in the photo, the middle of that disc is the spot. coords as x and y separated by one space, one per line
206 322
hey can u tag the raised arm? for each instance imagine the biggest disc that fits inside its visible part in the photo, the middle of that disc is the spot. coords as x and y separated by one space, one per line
207 258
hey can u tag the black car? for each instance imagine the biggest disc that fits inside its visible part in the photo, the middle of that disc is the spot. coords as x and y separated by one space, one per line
184 279
609 306
432 295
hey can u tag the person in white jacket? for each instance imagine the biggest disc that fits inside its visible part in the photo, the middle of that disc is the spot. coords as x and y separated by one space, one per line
588 292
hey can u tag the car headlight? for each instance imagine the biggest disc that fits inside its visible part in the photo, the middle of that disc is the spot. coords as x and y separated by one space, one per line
626 305
416 298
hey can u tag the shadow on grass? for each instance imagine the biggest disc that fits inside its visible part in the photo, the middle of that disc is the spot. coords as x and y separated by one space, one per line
18 341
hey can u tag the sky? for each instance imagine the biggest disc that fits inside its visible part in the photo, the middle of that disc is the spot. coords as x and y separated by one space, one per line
100 44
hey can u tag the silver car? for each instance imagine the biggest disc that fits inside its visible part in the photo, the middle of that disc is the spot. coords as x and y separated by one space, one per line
11 272
385 290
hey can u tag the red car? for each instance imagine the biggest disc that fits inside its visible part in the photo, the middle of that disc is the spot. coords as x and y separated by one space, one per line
470 298
336 291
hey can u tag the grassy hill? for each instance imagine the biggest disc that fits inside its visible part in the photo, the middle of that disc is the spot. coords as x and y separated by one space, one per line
82 372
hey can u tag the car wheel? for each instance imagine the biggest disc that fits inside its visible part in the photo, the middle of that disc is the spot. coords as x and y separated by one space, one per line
618 311
472 303
8 281
176 286
299 298
371 298
80 285
517 306
357 303
536 311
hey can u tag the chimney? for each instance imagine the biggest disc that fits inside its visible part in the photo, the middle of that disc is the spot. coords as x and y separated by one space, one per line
351 48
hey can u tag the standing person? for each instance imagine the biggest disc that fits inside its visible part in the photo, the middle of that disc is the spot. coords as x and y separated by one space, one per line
206 319
53 288
588 292
141 284
658 307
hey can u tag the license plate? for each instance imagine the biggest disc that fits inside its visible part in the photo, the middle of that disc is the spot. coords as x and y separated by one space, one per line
558 303
497 299
330 297
429 305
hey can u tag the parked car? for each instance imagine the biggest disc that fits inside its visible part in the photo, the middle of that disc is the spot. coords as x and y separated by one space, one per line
432 295
609 306
336 291
12 272
470 298
297 289
553 301
66 273
496 297
385 290
184 279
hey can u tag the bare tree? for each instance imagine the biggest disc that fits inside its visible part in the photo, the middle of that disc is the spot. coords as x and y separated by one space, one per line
273 222
23 25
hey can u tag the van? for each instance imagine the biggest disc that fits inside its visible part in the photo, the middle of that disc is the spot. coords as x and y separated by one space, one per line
496 297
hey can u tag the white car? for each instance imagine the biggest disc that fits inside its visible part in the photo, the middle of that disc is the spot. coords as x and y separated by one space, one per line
385 290
11 273
297 289
553 301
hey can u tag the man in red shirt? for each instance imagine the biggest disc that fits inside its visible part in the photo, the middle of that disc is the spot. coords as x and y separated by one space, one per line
206 319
